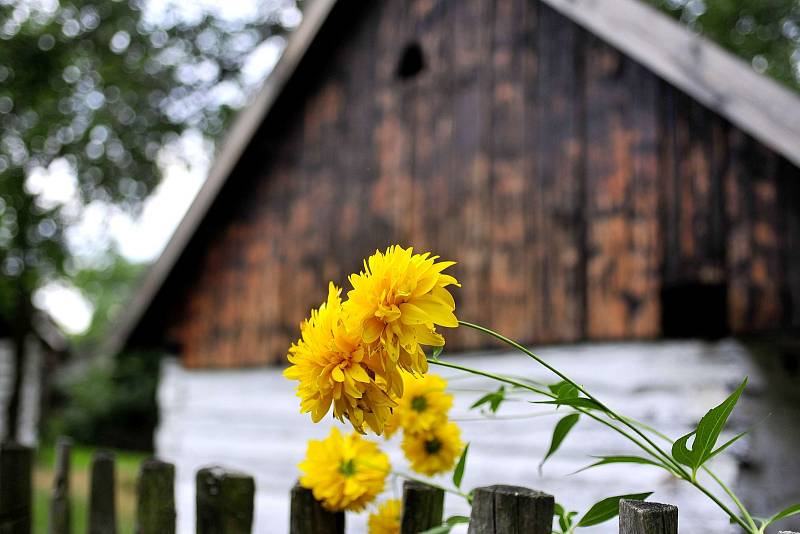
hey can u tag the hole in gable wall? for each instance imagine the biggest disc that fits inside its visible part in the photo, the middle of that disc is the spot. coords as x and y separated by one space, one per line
412 61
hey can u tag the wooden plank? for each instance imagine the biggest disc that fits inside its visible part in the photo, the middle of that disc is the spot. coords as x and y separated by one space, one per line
753 262
622 239
692 166
224 501
423 506
60 517
510 190
723 83
102 498
15 488
642 517
559 179
309 517
155 498
472 129
511 510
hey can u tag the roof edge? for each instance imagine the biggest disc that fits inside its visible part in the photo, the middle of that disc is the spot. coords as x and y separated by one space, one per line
756 104
247 121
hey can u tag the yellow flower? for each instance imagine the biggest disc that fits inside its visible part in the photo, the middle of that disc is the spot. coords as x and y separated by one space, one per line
344 472
399 299
386 520
424 404
433 451
335 367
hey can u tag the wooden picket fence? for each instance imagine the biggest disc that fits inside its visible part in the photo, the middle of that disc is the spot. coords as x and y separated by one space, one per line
225 503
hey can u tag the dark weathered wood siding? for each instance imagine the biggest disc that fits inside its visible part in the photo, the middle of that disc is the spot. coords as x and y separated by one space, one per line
570 183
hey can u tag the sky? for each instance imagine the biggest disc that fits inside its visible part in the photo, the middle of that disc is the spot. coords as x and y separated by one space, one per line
142 238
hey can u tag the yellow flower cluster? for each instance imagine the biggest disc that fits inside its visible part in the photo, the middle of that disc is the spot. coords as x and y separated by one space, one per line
350 354
431 442
386 520
344 472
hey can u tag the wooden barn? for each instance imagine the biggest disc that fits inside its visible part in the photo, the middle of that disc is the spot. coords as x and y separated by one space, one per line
599 172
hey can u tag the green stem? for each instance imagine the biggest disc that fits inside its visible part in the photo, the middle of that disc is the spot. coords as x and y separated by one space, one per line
511 381
665 457
674 466
725 488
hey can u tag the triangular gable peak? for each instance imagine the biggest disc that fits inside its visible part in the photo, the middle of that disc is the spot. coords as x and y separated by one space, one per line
574 183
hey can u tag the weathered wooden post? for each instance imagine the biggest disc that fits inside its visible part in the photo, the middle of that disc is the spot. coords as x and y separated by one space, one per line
155 494
642 517
309 517
224 501
511 510
60 502
15 489
102 500
423 506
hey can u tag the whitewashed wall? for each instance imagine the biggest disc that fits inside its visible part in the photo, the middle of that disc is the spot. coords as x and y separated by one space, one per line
30 389
249 420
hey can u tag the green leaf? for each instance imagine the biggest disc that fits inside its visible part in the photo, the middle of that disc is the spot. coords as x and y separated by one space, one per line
559 433
563 390
564 517
681 452
494 399
578 402
448 525
707 433
783 514
437 351
608 509
458 473
606 460
712 423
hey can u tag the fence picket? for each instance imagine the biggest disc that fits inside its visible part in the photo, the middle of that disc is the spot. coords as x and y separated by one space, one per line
102 500
60 518
155 492
642 517
224 501
15 489
309 517
423 507
511 510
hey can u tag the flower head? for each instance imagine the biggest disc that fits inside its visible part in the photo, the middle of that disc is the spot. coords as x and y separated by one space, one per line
335 367
399 299
386 520
344 472
433 451
424 404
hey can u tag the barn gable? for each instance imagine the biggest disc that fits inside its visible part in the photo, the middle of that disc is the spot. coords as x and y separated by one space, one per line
584 195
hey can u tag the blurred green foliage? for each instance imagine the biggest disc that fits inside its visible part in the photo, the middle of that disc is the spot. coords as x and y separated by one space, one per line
765 33
110 403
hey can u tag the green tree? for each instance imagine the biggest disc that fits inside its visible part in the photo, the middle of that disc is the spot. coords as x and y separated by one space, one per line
101 86
765 33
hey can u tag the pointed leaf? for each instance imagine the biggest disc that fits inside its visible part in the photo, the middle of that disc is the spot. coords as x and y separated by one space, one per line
605 460
681 452
437 351
483 400
711 425
577 402
458 473
608 509
559 433
783 514
448 525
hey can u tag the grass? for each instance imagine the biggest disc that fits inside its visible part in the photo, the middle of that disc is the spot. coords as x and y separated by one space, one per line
127 467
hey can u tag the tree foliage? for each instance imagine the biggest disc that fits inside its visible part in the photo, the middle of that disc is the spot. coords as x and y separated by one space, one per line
99 88
765 33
